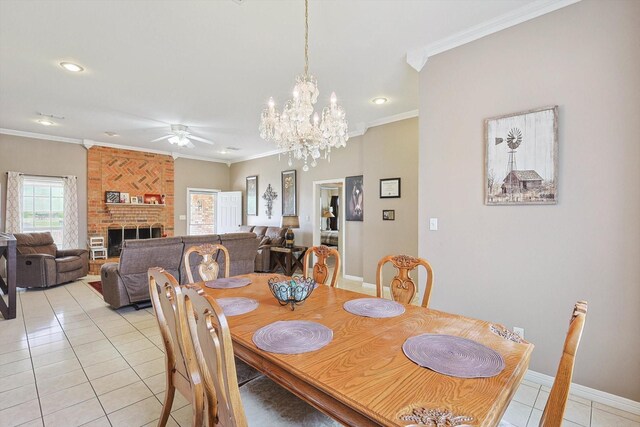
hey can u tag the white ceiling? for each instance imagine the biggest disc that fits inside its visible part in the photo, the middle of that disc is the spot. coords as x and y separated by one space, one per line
212 65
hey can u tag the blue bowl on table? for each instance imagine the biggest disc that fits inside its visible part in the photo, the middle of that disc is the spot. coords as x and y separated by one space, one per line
291 291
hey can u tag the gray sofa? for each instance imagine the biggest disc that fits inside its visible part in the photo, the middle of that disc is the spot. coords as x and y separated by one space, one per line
41 264
267 237
125 283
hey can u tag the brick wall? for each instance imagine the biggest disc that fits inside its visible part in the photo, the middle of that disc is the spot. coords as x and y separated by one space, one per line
133 172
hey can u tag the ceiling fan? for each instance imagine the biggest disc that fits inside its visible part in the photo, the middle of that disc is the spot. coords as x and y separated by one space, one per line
180 136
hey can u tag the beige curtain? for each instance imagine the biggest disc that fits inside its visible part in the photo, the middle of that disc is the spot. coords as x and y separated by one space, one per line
70 224
15 182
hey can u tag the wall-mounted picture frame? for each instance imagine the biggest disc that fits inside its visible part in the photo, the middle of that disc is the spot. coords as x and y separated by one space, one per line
112 196
521 158
134 200
289 189
252 195
388 215
390 188
124 198
355 198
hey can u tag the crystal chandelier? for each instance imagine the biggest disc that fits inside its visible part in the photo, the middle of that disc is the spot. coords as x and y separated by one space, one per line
294 130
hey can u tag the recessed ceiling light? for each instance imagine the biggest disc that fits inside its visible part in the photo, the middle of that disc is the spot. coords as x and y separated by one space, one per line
222 152
46 122
111 134
379 101
70 66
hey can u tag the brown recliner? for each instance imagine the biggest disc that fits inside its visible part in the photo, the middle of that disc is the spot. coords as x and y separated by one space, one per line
41 264
267 238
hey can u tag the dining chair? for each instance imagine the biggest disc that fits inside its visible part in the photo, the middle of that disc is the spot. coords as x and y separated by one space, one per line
402 287
208 268
557 401
259 402
181 368
320 268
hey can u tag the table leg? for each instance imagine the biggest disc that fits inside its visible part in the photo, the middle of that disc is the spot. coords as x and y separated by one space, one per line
288 270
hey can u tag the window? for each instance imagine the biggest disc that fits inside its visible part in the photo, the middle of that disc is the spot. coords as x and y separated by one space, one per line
43 206
202 211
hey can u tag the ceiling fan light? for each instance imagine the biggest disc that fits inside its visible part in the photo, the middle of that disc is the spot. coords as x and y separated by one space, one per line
175 140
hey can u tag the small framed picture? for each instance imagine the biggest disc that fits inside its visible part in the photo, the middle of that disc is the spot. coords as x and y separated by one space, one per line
389 188
134 200
112 197
124 198
252 195
389 215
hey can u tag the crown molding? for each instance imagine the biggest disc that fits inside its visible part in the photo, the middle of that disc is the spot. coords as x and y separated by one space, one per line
417 58
88 143
40 136
361 129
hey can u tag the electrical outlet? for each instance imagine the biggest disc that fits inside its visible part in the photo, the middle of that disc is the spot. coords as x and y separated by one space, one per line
183 217
518 331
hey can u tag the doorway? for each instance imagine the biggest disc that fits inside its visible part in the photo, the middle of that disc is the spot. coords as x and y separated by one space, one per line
201 211
328 216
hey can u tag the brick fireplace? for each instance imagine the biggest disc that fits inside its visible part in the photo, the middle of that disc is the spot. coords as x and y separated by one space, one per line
136 173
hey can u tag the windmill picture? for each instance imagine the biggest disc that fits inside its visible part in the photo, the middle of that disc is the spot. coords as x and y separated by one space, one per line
521 158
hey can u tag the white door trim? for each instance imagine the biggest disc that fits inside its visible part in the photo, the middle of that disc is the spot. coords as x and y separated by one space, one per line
316 218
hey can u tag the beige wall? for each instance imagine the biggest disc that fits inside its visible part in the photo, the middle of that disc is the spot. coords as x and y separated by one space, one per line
195 174
382 152
527 265
39 157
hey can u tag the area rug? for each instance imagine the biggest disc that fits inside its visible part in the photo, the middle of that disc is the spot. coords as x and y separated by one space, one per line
97 285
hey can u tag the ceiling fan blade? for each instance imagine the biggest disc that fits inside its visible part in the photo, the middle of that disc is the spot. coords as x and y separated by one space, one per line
161 138
197 138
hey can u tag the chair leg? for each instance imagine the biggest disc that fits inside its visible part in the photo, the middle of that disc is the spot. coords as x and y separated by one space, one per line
166 406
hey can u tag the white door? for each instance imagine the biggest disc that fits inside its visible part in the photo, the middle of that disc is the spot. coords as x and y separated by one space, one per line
229 216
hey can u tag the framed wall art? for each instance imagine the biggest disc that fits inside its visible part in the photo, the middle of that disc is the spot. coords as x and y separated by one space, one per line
112 196
522 158
124 198
390 188
289 186
355 198
388 215
252 195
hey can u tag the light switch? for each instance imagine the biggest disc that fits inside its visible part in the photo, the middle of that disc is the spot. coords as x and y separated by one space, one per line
433 224
308 218
183 217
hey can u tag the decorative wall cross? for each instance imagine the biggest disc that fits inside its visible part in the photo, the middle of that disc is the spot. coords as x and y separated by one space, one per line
269 196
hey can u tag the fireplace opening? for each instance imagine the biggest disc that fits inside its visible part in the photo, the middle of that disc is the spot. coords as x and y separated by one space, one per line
115 237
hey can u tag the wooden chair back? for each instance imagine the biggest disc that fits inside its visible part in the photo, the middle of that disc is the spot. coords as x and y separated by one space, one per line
320 268
402 287
182 369
208 334
554 409
209 268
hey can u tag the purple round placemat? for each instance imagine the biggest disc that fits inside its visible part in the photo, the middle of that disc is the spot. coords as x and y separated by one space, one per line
374 307
453 356
228 283
236 306
292 337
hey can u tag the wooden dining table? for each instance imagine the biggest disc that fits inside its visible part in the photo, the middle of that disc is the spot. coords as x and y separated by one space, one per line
362 377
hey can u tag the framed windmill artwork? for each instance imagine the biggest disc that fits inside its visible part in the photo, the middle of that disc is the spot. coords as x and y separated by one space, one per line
522 158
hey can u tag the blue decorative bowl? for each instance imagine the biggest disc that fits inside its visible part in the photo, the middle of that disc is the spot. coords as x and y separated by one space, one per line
292 291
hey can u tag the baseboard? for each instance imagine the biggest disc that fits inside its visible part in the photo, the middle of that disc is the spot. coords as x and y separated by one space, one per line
588 393
368 285
355 278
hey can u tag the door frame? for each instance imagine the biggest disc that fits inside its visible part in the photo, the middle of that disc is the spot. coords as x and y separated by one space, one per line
341 219
189 190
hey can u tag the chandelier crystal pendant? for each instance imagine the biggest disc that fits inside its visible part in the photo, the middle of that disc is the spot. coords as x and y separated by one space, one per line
300 131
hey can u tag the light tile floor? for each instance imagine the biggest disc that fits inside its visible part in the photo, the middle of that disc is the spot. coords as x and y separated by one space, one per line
69 360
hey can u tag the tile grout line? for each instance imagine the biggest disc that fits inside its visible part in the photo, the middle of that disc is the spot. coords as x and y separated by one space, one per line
33 368
77 358
121 355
